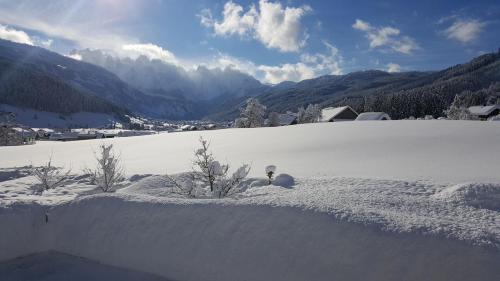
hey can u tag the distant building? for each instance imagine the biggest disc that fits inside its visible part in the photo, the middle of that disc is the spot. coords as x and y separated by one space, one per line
336 114
367 116
13 134
484 112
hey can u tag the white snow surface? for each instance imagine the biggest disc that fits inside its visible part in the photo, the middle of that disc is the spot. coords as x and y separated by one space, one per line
432 187
437 150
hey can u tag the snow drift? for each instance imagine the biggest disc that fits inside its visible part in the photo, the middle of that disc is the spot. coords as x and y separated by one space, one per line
438 150
380 199
225 242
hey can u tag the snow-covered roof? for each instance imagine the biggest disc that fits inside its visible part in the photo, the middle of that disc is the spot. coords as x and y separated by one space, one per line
483 110
330 112
373 116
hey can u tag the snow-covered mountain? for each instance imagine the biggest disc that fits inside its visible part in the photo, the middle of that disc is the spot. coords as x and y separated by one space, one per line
165 79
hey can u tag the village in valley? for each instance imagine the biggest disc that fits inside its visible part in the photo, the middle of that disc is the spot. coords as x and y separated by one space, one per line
13 133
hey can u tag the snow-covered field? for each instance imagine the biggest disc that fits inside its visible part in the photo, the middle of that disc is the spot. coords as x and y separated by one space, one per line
412 200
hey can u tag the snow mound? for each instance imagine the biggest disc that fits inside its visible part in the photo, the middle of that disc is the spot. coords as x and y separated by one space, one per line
284 180
157 185
479 195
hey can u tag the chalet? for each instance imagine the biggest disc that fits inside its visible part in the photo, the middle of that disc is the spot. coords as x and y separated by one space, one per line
367 116
484 112
336 114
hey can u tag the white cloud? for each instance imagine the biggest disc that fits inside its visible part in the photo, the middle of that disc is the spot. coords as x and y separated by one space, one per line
14 35
151 51
75 56
46 43
361 25
393 67
464 31
52 21
275 26
386 37
309 66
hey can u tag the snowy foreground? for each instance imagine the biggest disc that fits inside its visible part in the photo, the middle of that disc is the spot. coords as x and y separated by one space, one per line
397 200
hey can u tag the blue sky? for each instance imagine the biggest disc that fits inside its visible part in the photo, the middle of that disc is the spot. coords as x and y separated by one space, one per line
271 40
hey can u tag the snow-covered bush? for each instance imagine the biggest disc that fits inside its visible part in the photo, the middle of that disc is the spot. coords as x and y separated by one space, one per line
457 111
216 175
274 119
49 176
270 170
185 185
252 115
109 171
240 123
311 114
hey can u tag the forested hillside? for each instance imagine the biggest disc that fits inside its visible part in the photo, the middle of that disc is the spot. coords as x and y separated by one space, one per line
20 63
24 87
400 94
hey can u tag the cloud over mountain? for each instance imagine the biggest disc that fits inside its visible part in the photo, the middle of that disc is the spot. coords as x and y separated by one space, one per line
275 26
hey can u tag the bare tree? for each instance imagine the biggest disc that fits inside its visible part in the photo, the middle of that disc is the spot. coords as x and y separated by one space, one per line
185 186
49 176
109 171
215 175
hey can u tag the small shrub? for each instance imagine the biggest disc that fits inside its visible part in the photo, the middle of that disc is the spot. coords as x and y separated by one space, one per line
109 171
49 176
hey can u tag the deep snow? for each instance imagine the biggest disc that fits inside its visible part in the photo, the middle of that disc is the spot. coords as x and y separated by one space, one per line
438 150
412 200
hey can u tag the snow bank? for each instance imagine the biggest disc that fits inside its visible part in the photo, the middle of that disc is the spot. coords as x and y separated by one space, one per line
23 230
486 196
438 150
204 241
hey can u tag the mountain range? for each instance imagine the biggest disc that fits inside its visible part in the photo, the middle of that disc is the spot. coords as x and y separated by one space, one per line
36 78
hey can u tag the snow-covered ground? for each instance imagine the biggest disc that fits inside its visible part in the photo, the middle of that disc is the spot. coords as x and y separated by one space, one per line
438 150
412 200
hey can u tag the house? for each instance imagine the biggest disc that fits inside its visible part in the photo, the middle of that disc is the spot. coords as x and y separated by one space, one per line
11 134
43 133
484 112
366 116
64 136
336 114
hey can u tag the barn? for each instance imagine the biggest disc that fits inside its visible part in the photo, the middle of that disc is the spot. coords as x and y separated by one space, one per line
367 116
336 114
484 112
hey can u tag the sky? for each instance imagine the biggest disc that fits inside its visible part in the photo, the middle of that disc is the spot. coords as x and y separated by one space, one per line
274 41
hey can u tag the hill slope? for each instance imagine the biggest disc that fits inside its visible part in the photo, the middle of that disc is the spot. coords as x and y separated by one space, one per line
399 94
32 74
